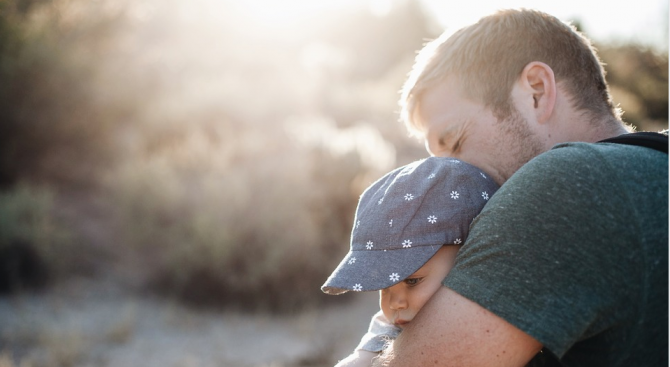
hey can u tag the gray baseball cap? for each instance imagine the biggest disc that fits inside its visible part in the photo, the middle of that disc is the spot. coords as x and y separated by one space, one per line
405 217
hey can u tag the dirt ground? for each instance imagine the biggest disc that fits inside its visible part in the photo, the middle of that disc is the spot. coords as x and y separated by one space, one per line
97 323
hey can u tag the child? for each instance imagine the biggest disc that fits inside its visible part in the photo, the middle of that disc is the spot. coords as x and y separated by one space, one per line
407 230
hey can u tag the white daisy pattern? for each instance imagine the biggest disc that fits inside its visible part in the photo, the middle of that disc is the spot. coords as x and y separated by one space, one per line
485 195
391 223
358 287
432 219
369 245
352 260
358 224
380 201
409 197
406 244
394 277
454 195
432 175
457 241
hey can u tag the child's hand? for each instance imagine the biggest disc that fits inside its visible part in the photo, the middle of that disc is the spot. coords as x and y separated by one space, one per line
359 358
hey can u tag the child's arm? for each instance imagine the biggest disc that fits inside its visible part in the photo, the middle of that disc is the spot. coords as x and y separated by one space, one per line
380 332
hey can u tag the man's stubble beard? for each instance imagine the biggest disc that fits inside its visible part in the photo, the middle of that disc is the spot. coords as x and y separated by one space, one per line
520 142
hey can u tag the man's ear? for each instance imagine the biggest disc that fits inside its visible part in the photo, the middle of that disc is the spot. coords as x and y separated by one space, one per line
537 78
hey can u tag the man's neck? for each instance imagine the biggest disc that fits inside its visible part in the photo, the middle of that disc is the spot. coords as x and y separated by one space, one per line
608 130
592 131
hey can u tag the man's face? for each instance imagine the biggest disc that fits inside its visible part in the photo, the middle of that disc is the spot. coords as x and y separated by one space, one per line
454 126
401 302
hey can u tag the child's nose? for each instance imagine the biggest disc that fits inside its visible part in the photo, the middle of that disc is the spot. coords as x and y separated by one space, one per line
398 300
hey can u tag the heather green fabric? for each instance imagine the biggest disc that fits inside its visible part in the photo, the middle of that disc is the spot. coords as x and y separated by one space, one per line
573 250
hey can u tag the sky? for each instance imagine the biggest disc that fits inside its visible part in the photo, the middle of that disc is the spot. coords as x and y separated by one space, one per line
643 21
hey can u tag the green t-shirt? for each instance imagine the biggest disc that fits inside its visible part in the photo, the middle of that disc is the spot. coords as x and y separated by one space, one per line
573 250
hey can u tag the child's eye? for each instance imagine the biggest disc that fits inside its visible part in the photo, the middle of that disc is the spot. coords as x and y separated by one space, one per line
412 281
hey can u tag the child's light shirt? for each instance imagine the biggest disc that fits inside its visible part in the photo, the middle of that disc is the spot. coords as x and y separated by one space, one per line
380 332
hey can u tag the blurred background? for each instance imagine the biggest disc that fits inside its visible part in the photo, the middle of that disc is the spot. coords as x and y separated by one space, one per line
178 178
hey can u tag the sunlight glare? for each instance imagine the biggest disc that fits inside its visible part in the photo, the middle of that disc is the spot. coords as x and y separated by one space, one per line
363 139
288 11
380 8
601 19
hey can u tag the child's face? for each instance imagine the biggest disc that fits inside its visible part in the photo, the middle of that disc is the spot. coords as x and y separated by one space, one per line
401 302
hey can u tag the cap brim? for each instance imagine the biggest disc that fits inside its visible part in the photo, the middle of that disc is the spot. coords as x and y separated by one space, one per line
372 270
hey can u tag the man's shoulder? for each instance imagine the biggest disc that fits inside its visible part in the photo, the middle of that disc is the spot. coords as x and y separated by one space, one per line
586 172
581 151
606 149
594 160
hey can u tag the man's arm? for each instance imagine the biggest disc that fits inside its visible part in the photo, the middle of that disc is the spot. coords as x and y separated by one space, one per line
451 330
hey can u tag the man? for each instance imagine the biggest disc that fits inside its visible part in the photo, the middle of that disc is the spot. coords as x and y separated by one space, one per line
570 256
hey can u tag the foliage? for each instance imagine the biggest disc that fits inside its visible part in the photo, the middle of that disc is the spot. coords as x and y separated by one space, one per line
259 230
638 78
248 200
54 127
33 243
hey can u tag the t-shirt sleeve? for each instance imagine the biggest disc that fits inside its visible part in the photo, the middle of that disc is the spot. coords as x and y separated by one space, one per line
532 252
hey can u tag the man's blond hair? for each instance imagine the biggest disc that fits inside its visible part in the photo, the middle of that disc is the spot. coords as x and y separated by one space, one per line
488 57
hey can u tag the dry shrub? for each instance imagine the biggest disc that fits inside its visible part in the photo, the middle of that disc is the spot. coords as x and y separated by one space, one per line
239 217
53 127
34 245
